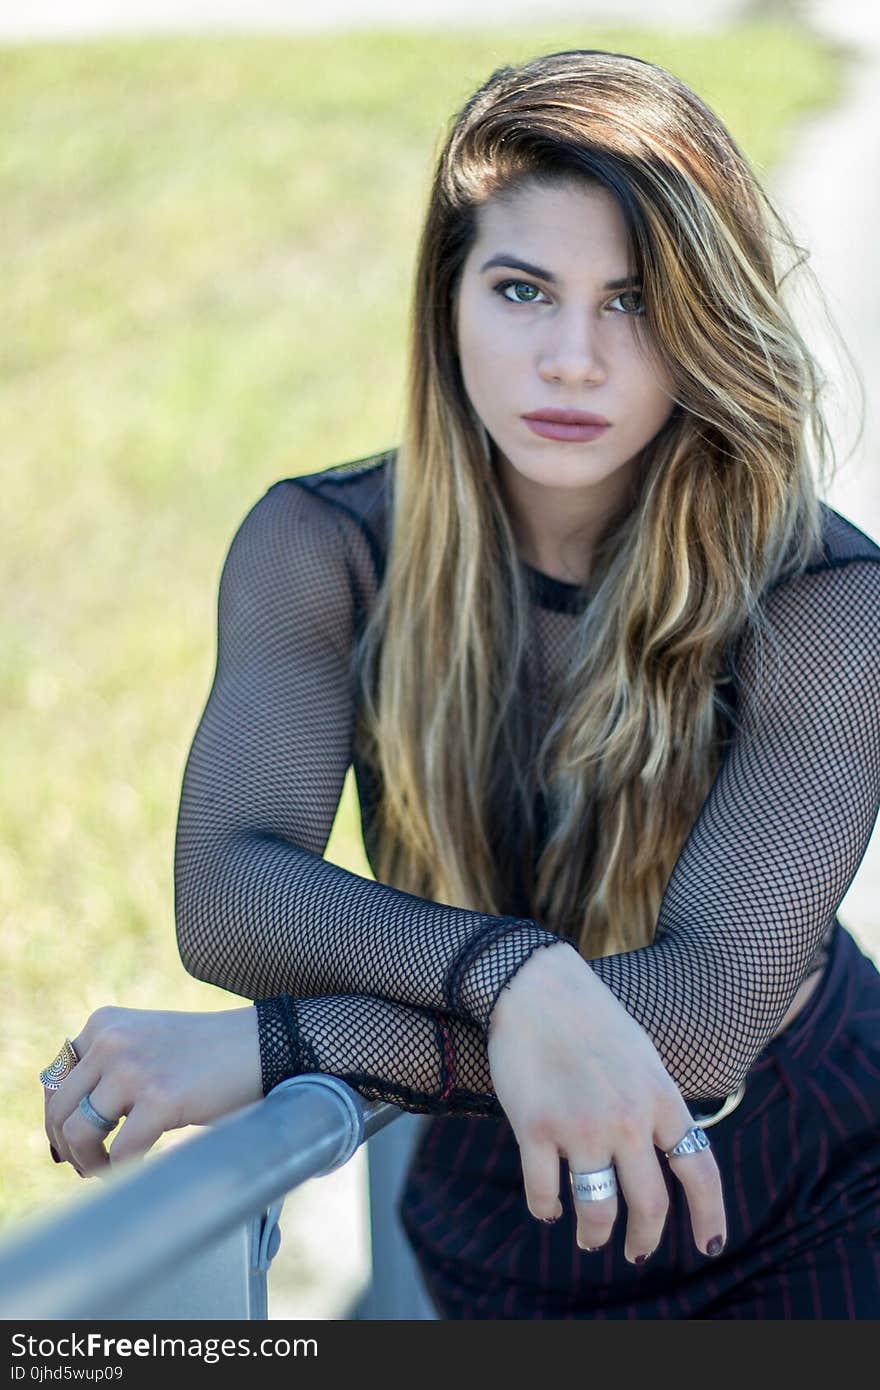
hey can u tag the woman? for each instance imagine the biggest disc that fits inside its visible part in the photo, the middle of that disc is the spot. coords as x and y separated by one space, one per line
608 672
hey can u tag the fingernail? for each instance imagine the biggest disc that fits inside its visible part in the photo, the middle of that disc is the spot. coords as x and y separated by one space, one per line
640 1259
590 1249
54 1154
549 1220
715 1246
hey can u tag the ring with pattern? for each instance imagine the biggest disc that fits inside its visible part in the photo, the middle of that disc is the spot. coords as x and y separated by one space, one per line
53 1075
691 1143
95 1117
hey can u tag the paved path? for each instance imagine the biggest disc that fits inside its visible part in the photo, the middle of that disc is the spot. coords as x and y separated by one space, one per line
830 191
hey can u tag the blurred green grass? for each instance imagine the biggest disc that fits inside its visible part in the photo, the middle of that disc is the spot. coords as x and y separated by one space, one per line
207 246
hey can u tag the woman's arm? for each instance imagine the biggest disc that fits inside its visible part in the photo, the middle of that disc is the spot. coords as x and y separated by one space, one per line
421 1060
577 1077
775 847
771 855
258 910
777 842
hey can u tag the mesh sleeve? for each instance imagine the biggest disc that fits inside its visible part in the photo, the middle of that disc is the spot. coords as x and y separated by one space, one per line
770 857
777 842
359 979
258 910
421 1060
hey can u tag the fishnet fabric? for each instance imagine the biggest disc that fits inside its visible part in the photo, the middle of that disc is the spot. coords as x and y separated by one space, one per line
392 992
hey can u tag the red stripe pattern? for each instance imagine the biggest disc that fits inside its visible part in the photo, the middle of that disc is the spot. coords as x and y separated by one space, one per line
800 1162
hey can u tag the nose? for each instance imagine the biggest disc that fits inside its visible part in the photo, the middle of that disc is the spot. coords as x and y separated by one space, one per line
571 351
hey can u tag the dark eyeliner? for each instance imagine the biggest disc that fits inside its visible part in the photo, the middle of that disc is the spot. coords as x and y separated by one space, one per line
504 284
632 313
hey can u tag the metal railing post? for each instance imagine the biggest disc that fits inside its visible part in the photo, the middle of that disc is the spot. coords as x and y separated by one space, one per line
396 1291
184 1234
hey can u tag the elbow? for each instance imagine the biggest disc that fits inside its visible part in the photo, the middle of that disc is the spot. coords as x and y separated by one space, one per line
194 942
191 948
199 909
211 912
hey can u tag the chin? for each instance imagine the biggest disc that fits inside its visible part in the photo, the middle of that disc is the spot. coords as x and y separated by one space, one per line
573 471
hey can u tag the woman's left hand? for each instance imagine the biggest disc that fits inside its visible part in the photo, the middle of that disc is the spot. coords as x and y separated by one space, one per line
162 1070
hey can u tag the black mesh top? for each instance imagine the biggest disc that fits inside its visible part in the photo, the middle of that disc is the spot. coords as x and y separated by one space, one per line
393 992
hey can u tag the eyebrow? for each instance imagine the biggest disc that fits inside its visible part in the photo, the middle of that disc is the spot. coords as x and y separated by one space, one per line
514 263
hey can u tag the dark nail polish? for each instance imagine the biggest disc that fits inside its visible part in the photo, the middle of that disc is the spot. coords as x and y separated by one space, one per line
715 1246
549 1220
640 1259
54 1154
591 1249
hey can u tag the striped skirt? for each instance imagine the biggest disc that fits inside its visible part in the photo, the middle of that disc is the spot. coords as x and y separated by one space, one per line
800 1170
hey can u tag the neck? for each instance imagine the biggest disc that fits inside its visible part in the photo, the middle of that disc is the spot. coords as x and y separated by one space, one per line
557 528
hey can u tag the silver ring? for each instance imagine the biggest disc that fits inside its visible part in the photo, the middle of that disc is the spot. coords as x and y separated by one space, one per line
692 1143
95 1117
730 1103
594 1187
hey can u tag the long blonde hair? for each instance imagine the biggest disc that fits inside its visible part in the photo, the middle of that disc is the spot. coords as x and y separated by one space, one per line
726 506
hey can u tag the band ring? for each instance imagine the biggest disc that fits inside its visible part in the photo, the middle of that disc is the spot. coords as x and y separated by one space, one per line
729 1104
95 1117
594 1187
691 1143
52 1076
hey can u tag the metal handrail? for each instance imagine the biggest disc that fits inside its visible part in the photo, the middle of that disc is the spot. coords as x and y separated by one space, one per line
87 1261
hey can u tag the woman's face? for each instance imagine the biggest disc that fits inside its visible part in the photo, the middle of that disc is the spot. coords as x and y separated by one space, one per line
560 335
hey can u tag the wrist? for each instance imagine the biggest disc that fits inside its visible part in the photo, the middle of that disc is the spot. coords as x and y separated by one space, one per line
241 1053
543 973
280 1050
488 963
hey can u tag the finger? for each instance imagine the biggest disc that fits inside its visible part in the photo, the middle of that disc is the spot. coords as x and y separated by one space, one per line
55 1111
143 1127
85 1141
61 1104
50 1135
700 1177
76 1139
53 1151
595 1216
46 1094
647 1201
540 1168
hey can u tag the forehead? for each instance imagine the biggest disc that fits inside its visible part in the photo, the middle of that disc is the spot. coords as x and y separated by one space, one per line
571 216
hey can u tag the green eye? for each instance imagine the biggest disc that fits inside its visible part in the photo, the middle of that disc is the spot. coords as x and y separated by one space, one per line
630 294
516 284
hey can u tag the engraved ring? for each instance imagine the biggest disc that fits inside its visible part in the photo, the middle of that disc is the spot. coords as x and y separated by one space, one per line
53 1075
594 1187
95 1117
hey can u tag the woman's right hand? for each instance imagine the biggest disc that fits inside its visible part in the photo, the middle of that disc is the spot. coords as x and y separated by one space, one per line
577 1076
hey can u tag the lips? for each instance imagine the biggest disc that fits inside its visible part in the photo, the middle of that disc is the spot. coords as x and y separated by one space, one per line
574 425
567 417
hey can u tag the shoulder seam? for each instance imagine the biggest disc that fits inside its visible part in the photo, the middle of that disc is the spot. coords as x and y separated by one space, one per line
341 473
841 563
367 532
